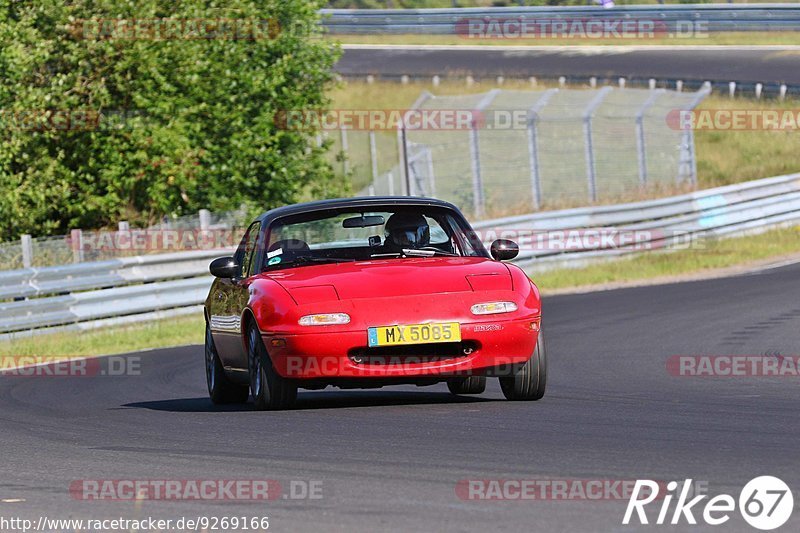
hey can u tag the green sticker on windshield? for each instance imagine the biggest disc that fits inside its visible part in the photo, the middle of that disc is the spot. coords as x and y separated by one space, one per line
274 261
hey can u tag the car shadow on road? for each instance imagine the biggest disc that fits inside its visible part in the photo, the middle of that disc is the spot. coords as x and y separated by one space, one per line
317 400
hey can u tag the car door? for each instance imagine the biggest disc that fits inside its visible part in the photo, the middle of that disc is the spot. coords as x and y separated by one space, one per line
229 299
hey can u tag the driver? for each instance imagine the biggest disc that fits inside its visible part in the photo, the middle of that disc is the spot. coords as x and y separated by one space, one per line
407 230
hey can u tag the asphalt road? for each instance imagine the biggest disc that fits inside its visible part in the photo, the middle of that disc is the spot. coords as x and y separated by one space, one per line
390 459
727 63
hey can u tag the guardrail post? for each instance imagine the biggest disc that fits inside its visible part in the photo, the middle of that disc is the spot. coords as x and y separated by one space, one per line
27 251
76 238
205 219
588 141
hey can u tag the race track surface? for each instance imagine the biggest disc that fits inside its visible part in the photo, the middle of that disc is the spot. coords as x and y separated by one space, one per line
390 459
735 63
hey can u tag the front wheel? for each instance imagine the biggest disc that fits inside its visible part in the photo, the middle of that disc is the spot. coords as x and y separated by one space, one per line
529 381
220 388
270 391
469 385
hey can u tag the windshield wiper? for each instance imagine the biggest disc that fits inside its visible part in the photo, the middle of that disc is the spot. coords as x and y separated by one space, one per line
309 259
426 252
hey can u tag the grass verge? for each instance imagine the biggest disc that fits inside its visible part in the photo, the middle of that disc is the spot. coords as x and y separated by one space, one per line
711 254
114 340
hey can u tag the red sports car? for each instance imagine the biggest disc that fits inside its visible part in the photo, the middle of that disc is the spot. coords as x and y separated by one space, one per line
367 292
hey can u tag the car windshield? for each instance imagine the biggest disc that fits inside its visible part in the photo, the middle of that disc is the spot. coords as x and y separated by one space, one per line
389 233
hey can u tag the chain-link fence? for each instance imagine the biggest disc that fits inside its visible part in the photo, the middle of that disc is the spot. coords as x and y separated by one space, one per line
506 152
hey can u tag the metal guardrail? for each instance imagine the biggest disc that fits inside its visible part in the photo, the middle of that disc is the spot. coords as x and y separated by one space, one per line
87 295
672 18
103 292
663 222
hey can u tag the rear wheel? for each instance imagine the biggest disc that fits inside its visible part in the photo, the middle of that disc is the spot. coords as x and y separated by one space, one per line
220 388
529 381
270 391
469 385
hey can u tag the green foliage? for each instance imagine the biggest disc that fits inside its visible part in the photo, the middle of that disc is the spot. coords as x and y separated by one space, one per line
186 122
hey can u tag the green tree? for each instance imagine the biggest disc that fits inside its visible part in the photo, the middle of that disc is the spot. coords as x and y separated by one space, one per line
188 103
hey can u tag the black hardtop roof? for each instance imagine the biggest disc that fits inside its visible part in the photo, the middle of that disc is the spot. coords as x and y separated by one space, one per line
369 202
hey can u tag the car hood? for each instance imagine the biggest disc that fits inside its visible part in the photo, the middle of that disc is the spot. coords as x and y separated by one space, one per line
392 278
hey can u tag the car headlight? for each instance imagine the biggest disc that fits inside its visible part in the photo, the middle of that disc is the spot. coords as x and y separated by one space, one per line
493 308
325 319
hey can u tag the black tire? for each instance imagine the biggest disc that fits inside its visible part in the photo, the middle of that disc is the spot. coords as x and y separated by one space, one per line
221 389
469 385
530 380
270 391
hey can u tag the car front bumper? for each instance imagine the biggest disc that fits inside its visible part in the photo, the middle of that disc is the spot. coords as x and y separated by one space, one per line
491 347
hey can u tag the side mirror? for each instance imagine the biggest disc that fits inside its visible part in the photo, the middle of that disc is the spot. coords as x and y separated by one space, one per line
503 249
224 267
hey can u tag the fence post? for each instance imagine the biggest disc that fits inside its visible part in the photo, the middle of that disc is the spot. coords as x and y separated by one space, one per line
390 178
76 238
692 160
688 137
588 141
477 183
205 219
533 146
641 148
345 151
431 175
402 142
27 250
373 157
405 171
478 200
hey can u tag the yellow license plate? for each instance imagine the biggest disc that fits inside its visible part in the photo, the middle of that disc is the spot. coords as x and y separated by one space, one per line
414 334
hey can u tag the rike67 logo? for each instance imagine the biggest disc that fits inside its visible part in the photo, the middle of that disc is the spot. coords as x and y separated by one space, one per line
765 503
